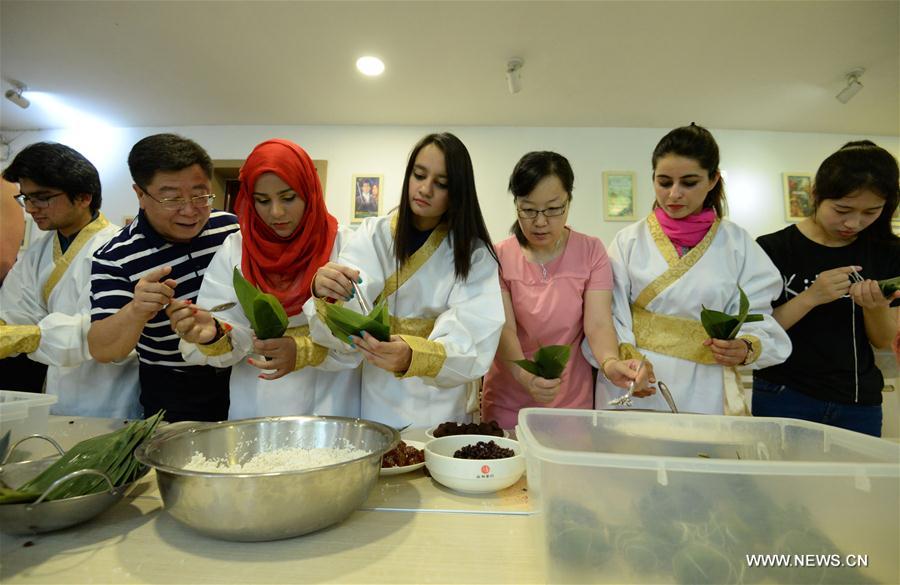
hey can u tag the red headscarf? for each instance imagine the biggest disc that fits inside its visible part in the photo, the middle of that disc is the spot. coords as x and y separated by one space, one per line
284 267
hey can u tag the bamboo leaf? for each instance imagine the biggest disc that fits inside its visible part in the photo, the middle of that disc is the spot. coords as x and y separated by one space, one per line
889 286
344 322
246 293
267 316
552 360
529 366
271 318
549 361
744 305
716 323
112 454
719 325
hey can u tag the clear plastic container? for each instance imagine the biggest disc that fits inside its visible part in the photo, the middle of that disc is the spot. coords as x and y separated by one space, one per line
24 413
643 497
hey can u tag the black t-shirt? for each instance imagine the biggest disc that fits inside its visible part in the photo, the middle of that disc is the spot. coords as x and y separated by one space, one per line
821 362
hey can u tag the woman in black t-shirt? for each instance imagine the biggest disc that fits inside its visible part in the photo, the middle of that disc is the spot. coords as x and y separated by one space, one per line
832 316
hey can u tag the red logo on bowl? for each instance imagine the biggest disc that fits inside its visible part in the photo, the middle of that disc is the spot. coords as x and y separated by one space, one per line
485 469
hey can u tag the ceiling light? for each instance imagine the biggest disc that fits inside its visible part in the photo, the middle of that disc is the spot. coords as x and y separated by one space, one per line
853 85
370 66
514 74
15 95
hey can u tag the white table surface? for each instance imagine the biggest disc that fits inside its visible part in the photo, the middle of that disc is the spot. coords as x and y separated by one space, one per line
445 537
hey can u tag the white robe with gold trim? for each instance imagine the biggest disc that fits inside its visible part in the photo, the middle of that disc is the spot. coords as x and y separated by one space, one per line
309 390
733 258
468 317
84 386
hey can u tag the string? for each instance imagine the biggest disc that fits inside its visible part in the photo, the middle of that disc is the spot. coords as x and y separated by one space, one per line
855 358
855 277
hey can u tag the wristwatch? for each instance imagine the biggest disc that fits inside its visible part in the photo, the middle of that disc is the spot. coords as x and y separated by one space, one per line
749 350
220 332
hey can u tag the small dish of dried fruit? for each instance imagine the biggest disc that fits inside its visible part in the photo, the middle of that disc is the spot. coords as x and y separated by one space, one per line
405 457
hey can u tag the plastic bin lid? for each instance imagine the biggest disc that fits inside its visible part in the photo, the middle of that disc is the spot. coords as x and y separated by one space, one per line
10 398
665 441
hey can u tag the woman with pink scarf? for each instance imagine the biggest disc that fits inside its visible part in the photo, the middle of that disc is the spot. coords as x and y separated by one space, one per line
682 257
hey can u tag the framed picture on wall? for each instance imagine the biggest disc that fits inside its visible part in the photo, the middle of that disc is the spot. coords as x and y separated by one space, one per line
618 195
366 196
798 203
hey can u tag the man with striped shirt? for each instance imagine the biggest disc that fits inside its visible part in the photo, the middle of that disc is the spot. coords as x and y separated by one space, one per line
161 255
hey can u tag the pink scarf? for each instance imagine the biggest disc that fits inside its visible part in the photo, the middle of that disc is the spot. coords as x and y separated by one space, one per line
686 232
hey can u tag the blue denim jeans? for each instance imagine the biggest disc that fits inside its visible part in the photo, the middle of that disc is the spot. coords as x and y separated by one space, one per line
777 400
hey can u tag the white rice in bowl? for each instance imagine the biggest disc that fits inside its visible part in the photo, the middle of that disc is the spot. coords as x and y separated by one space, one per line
293 459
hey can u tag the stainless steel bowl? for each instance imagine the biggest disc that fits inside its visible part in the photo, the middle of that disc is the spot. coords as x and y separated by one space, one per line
265 506
45 516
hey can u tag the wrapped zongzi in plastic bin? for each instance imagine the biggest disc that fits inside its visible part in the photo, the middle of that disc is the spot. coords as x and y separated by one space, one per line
632 497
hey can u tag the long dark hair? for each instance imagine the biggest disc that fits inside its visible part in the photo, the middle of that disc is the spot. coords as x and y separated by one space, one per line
697 143
861 164
463 215
531 170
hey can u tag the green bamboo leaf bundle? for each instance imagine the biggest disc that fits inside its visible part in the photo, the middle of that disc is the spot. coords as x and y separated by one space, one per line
112 454
344 322
549 361
889 286
267 316
719 325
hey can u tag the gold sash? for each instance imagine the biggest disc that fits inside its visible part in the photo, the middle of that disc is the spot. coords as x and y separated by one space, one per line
412 326
62 261
308 353
669 335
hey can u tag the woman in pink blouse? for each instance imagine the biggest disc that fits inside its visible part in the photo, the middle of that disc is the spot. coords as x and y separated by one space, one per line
557 288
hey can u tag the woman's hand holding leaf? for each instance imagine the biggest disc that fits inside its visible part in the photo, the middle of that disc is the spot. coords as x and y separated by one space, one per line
542 376
280 355
190 323
728 352
393 356
541 389
335 281
868 295
890 287
719 325
267 316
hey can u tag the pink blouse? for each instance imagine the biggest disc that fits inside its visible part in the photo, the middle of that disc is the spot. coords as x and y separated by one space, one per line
548 302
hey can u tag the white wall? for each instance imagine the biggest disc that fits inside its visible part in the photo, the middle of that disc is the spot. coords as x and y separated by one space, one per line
753 162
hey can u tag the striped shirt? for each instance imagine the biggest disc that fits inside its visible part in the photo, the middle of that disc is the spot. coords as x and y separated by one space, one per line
138 249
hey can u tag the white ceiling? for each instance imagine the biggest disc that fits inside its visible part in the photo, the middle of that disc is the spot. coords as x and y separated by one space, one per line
745 64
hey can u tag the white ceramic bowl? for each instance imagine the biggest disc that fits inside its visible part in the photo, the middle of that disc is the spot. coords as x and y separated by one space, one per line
473 476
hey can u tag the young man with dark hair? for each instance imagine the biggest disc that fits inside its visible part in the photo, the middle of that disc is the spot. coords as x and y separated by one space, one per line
161 255
44 301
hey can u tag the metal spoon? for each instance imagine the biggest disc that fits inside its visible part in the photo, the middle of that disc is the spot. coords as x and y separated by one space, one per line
664 390
217 308
625 400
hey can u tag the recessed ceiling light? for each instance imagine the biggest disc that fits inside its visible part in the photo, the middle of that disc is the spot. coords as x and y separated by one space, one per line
370 66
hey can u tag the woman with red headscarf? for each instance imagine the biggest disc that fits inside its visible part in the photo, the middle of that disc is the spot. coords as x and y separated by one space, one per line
286 235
